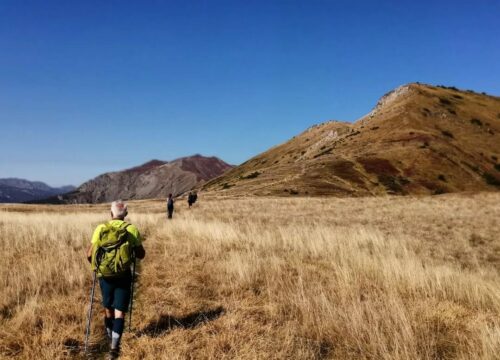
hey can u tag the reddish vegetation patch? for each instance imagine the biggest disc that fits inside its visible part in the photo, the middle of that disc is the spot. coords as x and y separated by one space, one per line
378 166
409 172
387 174
419 137
413 187
146 166
345 170
205 168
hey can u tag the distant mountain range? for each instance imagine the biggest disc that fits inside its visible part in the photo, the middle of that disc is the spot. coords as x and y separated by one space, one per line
13 190
154 179
419 139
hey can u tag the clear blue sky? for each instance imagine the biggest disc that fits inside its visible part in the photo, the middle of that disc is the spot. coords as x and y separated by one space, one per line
94 86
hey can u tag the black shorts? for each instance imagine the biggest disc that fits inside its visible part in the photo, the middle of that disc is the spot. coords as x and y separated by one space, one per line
116 292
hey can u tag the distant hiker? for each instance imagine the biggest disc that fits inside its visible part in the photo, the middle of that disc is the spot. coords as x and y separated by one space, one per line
195 197
170 206
191 200
112 251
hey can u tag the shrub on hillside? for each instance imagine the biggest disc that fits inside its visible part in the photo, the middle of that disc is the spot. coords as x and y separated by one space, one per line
445 101
424 145
251 175
226 186
447 87
477 122
326 152
491 179
447 133
392 183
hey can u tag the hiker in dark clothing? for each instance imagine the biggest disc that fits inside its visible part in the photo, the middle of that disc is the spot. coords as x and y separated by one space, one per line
170 206
191 199
195 197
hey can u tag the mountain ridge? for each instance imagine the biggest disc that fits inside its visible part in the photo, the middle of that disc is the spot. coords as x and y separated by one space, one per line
418 139
152 179
16 190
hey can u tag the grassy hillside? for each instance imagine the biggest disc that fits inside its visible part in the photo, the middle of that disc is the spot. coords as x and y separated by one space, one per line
274 278
419 139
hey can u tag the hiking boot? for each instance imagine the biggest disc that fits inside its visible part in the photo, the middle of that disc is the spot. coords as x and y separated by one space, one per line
113 354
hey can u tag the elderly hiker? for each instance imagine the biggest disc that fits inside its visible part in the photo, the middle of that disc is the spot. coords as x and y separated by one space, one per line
170 206
112 251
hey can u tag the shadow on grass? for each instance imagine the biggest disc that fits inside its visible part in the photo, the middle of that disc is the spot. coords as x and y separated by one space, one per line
75 348
165 323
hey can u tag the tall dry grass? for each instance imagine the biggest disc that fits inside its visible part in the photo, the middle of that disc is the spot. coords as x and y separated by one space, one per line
371 278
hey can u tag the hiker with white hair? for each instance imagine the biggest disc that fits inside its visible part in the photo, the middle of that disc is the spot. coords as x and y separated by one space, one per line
114 247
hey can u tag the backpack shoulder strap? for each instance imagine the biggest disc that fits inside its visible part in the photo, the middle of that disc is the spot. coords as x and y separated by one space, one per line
124 225
104 227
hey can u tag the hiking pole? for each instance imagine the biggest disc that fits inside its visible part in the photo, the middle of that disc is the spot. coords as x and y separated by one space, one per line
131 296
89 316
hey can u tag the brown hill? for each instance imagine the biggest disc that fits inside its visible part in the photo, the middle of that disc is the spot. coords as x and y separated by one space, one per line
419 139
154 179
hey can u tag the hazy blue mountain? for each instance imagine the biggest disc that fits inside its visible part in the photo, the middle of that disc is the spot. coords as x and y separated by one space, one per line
14 190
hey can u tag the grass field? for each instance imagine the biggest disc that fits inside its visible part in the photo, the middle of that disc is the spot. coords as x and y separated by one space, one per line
299 278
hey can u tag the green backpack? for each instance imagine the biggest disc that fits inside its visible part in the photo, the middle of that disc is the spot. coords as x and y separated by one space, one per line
112 255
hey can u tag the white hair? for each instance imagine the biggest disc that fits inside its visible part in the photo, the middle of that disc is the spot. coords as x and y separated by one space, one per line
118 209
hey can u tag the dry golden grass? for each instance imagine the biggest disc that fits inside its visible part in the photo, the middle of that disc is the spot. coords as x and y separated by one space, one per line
366 278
